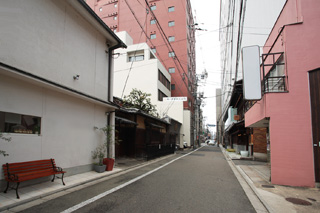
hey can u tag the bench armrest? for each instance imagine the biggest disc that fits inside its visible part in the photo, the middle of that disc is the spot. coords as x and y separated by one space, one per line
13 177
58 169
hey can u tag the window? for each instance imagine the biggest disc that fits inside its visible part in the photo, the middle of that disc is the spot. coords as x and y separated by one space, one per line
154 50
161 95
151 55
171 38
136 56
18 123
173 86
115 5
172 70
171 54
153 21
275 79
171 23
153 36
153 7
100 9
163 80
170 9
115 18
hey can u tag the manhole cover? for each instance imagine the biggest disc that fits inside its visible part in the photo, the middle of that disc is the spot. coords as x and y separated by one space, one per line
298 201
267 186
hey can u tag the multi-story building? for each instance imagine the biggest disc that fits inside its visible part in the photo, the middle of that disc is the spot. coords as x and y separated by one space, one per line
168 28
137 67
55 82
242 23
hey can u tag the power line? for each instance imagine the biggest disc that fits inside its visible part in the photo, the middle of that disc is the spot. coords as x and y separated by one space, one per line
170 48
142 28
125 84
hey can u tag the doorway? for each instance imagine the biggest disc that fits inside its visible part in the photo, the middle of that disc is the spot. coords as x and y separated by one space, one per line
314 83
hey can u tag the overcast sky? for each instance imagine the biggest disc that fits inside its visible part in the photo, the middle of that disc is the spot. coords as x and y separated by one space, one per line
206 14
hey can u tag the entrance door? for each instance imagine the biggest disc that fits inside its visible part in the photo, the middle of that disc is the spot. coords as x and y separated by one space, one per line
314 80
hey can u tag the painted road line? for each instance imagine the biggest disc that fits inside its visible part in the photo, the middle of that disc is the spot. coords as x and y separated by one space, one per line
91 200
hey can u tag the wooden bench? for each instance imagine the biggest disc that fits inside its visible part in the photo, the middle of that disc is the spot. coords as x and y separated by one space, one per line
23 171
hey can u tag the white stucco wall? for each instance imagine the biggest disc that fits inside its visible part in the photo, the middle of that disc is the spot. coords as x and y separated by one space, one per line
67 124
174 109
186 126
51 40
142 75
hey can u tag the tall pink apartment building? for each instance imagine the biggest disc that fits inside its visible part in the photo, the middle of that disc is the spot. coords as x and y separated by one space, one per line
167 26
291 98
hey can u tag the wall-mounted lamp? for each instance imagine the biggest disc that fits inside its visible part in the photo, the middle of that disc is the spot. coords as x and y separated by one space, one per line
76 77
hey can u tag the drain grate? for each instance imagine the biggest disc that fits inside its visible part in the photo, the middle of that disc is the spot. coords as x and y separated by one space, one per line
267 186
298 201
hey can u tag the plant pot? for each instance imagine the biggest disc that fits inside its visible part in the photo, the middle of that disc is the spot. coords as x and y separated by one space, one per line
99 168
109 162
244 153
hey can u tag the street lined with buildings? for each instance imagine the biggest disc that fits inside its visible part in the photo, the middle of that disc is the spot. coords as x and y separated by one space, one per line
85 84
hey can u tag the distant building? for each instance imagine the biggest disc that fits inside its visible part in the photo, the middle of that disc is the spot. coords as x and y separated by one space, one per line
173 43
137 67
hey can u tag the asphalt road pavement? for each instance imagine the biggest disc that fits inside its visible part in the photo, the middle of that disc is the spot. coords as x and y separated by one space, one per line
199 181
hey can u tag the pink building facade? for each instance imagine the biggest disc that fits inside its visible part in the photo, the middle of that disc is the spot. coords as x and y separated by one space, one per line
290 103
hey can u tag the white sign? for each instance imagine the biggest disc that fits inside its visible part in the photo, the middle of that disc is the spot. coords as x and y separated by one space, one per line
251 73
175 99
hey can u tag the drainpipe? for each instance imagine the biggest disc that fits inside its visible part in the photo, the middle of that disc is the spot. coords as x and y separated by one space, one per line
111 115
110 68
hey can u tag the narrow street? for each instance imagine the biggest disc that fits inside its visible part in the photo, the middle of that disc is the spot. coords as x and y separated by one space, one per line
199 181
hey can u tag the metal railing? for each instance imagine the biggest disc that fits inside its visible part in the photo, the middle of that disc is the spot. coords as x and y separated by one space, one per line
275 84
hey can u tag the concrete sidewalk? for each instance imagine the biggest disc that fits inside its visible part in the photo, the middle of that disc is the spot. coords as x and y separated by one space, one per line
38 193
275 198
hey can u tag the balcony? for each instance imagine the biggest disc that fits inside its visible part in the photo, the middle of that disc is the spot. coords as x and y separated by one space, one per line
275 84
274 81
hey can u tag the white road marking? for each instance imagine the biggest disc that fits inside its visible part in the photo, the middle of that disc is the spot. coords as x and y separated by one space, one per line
91 200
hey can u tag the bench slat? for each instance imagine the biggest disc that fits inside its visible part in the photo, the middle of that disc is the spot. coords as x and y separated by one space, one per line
26 169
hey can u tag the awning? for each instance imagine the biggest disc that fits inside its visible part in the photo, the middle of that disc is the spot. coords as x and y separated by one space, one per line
125 121
235 126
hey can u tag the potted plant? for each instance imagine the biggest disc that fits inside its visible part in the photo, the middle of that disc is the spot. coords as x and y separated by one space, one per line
107 131
109 161
99 154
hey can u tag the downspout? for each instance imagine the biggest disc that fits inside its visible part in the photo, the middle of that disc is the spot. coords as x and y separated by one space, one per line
110 73
111 115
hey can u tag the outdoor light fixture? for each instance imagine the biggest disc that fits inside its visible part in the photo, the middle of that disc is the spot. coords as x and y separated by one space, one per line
76 77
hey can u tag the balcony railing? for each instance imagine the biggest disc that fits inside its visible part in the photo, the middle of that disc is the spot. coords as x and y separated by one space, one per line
275 84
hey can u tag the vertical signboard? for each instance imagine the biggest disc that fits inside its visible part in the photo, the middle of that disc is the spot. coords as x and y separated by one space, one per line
251 73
